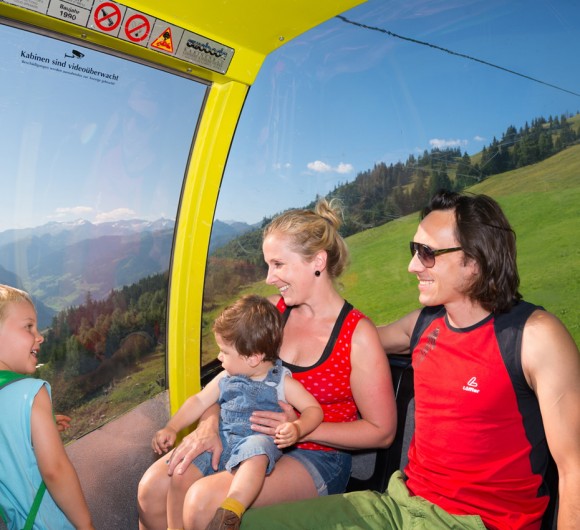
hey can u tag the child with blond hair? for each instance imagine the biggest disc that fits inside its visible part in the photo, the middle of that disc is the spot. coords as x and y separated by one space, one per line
38 483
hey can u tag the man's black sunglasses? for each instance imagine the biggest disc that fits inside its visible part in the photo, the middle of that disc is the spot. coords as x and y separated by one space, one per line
427 254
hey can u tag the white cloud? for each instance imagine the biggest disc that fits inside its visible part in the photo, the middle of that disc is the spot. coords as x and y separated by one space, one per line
344 168
479 138
319 167
442 144
115 215
322 167
279 166
76 211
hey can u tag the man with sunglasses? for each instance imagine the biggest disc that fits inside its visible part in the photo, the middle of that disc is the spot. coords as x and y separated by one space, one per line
497 388
497 380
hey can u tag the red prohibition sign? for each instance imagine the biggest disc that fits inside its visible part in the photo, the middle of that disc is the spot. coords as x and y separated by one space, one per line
107 16
135 25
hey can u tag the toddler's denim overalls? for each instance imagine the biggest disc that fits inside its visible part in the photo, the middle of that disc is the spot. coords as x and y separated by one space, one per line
240 396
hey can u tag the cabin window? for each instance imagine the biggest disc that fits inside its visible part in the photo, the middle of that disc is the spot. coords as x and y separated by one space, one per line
382 106
94 149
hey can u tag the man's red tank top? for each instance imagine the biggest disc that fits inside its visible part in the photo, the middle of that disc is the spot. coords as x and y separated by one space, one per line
329 379
479 445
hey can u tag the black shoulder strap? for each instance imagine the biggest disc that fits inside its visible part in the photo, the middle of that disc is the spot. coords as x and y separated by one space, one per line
286 314
509 330
346 309
427 315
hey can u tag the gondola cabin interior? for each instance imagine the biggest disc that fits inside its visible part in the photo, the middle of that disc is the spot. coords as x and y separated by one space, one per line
145 145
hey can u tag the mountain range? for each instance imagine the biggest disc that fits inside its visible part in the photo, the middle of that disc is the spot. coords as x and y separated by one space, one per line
59 263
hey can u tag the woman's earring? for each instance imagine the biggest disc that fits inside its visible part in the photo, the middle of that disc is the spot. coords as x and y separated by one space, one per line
316 273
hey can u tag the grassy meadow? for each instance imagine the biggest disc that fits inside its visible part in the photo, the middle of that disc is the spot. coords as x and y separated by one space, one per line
542 203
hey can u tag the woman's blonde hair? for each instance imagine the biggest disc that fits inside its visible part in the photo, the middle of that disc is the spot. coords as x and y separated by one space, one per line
310 232
9 295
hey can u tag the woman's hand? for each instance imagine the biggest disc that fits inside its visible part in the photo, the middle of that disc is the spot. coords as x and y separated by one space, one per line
266 421
204 438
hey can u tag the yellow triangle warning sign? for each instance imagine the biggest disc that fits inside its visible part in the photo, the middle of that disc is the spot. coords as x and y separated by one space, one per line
164 41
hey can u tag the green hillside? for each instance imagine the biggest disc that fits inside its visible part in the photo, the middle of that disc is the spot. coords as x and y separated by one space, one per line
543 204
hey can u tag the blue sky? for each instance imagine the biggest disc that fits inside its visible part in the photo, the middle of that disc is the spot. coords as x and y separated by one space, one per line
352 97
331 103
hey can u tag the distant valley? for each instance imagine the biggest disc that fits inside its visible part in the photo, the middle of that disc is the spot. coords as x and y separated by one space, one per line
60 263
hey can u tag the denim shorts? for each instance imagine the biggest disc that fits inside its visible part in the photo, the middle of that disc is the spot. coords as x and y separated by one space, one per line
330 470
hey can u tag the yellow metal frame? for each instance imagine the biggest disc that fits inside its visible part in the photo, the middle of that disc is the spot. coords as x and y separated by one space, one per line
253 29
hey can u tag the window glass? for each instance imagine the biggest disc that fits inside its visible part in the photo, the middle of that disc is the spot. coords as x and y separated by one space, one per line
387 103
94 149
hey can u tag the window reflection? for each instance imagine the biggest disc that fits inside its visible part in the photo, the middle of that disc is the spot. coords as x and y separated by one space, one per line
93 162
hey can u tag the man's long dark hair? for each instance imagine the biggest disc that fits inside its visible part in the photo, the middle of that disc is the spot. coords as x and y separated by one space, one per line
485 236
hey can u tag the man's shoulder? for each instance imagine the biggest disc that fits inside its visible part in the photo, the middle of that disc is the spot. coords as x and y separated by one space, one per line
517 316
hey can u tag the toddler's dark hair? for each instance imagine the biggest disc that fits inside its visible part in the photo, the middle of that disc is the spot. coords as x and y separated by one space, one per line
252 325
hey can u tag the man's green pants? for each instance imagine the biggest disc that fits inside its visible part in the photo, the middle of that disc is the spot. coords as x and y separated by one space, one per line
369 510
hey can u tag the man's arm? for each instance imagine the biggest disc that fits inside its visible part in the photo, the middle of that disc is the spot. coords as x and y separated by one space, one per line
551 364
396 337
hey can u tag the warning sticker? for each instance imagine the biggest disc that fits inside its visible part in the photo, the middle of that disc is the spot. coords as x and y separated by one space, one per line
165 37
164 42
106 17
136 27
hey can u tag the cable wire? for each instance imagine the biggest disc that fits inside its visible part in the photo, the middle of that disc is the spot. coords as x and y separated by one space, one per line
451 52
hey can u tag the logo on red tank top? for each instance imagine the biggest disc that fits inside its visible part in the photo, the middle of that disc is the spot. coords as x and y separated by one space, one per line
429 346
472 386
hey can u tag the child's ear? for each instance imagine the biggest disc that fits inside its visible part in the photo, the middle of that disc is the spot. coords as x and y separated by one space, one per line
255 359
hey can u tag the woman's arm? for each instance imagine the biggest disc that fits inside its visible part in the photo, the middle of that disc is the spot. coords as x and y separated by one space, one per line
371 384
372 389
204 438
55 467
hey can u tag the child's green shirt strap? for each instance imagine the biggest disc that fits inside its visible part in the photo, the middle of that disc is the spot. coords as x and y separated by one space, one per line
7 377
